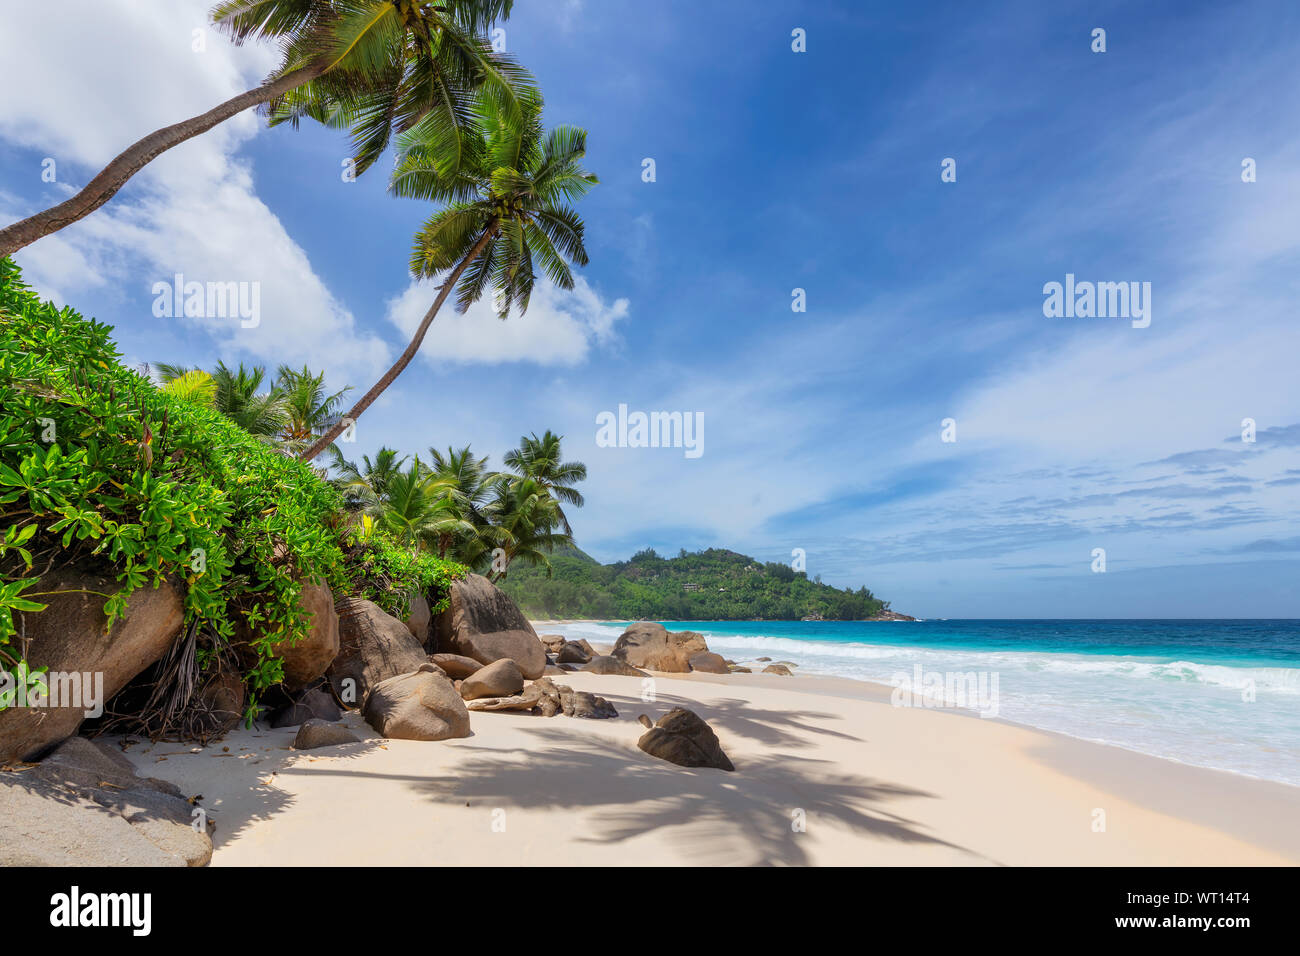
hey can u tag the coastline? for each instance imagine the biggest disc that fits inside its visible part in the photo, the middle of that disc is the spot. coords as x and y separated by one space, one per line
876 784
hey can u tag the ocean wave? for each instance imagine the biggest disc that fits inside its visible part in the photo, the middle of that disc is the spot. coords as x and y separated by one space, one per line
1278 679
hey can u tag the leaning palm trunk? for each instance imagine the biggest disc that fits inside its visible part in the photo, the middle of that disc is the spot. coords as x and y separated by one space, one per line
115 175
405 359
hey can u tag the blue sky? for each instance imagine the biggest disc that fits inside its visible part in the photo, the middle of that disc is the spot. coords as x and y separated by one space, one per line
778 170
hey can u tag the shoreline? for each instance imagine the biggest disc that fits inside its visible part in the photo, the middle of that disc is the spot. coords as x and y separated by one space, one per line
809 666
872 783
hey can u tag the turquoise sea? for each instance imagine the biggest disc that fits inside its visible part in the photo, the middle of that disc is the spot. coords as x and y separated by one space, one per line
1222 694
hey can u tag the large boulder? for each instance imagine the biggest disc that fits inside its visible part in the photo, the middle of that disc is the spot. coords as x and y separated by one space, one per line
612 665
84 805
653 647
682 737
373 647
418 618
69 639
498 679
483 623
422 705
308 658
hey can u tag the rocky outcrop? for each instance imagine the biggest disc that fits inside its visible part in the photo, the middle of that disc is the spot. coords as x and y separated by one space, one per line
546 698
373 647
84 805
316 733
499 679
69 639
891 616
612 665
653 647
422 705
709 663
483 623
682 737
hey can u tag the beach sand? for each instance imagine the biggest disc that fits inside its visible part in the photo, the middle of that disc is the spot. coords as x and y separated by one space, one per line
870 784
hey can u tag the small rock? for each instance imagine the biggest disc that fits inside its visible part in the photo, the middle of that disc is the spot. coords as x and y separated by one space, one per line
319 733
777 669
708 663
579 703
313 703
682 737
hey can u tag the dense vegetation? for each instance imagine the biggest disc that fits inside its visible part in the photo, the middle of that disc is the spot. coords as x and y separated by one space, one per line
101 469
723 586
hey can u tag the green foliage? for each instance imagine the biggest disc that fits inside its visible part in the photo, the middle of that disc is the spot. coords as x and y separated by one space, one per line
99 466
731 587
389 574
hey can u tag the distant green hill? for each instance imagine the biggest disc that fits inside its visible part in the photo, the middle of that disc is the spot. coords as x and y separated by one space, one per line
712 585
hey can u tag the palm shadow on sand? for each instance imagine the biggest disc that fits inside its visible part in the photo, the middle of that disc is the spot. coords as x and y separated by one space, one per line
711 816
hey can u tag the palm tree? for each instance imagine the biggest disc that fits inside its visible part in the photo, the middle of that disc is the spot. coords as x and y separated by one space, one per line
366 487
308 406
417 509
540 460
470 487
377 67
506 193
526 517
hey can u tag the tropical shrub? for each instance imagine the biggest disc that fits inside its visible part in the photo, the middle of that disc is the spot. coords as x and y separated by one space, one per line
99 466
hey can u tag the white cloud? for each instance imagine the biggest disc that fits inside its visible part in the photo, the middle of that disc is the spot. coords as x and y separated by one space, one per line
559 328
70 95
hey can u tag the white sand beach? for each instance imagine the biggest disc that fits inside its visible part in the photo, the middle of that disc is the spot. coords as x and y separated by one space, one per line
870 783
